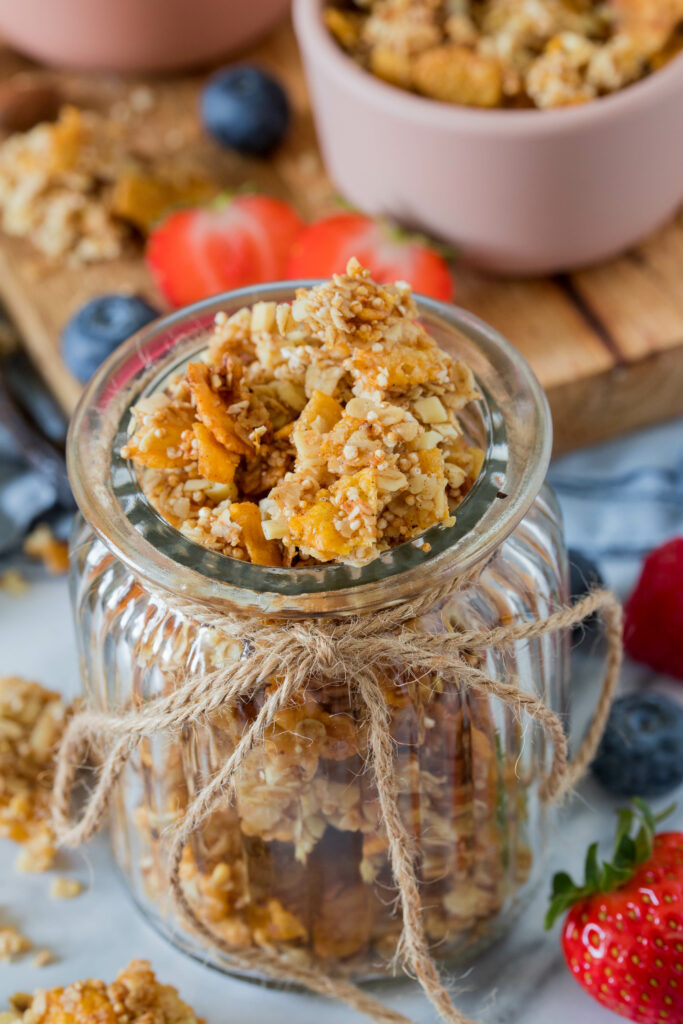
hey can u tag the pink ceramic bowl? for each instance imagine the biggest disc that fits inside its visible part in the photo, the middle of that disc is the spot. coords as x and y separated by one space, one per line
134 35
517 191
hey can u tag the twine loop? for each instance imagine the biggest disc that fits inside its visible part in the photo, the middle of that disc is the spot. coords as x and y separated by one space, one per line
295 653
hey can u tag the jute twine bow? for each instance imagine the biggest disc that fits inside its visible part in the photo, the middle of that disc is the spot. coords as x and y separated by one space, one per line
359 650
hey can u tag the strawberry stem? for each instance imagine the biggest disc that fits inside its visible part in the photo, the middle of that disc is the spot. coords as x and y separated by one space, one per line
630 851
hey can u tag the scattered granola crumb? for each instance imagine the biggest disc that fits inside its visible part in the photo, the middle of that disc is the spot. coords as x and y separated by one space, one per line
53 553
42 958
65 888
136 997
13 943
13 582
31 723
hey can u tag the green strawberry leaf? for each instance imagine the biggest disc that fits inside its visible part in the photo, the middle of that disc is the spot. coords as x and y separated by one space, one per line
629 853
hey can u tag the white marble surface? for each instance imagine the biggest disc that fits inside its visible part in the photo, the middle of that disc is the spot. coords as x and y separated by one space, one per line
522 981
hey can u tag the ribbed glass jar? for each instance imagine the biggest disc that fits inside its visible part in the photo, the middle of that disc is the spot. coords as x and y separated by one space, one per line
298 860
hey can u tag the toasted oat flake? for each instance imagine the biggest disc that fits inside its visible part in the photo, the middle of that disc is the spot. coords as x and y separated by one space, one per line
323 431
509 53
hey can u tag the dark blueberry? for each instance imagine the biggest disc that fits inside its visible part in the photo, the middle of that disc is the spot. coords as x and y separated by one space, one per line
641 752
245 108
584 576
99 327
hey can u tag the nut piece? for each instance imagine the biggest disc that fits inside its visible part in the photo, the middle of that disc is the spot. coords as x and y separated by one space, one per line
65 888
24 104
455 74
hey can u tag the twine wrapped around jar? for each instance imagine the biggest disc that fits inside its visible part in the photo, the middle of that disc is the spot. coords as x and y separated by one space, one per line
358 650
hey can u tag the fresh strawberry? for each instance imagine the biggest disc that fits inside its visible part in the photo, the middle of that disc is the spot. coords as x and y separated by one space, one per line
653 616
623 937
325 248
199 252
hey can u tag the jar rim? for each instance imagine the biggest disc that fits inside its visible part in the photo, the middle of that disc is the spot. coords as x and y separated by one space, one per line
513 413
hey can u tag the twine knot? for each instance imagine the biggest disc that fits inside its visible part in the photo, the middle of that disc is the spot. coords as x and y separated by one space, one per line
286 657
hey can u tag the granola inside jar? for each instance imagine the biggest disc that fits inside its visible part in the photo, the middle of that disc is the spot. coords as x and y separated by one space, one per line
295 859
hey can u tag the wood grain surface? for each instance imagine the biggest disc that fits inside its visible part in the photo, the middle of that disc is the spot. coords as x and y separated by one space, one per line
606 343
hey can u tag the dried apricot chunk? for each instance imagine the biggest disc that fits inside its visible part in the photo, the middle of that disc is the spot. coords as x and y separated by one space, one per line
456 74
260 550
157 442
215 462
213 412
142 199
314 530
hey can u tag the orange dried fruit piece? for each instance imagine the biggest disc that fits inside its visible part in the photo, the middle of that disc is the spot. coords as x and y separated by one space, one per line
215 462
158 441
356 495
260 550
143 198
68 136
318 417
456 74
400 365
314 530
274 923
320 413
213 412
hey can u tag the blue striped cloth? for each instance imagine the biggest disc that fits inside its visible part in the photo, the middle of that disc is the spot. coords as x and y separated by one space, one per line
623 498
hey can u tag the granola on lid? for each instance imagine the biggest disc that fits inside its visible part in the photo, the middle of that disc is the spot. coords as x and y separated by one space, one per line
509 53
325 430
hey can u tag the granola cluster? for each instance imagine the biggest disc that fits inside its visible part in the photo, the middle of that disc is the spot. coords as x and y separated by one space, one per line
322 430
136 997
509 53
77 191
31 723
299 861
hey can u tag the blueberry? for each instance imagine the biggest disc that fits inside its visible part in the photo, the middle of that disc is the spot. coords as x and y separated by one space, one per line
245 108
99 327
584 576
641 752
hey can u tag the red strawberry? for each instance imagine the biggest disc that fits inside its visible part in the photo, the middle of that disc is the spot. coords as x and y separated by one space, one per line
623 937
326 247
199 252
653 619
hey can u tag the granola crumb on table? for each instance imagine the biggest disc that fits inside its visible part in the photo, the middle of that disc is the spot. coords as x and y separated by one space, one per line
136 997
322 430
65 888
509 53
53 553
31 723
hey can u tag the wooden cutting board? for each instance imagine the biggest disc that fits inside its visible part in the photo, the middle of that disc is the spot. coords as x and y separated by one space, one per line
606 343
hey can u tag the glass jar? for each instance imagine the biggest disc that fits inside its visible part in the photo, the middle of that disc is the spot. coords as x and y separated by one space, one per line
297 862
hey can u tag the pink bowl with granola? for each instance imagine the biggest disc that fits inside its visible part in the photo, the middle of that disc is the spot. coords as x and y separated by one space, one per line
518 190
